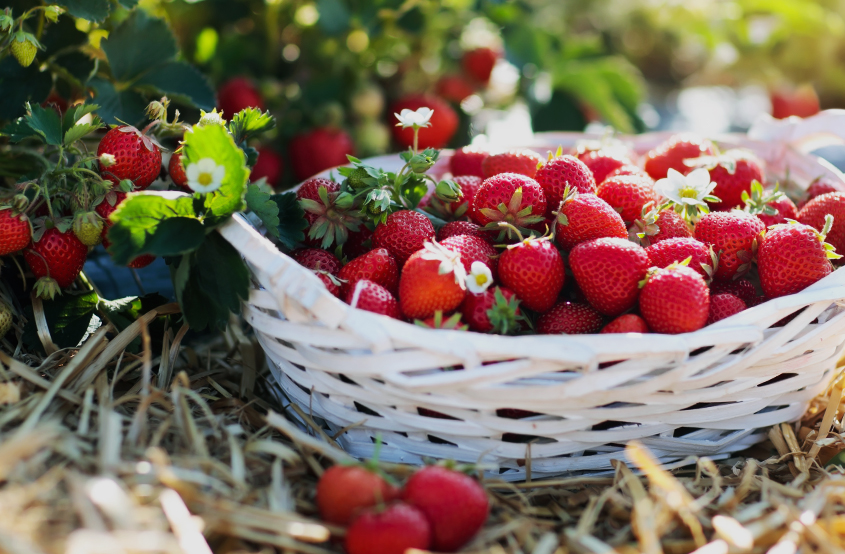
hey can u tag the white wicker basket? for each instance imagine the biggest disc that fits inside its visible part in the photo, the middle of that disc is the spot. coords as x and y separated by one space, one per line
711 392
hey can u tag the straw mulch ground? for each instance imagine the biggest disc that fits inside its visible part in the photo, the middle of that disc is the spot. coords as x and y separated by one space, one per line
187 450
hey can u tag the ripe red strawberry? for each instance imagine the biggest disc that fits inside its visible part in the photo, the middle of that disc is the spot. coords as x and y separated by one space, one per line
377 265
741 288
655 226
586 217
672 153
814 212
523 162
136 156
269 165
454 88
478 63
801 101
453 210
455 505
628 169
534 270
733 172
823 185
467 161
327 223
372 297
792 257
404 233
669 251
109 204
569 318
345 491
454 228
238 94
473 249
734 236
15 233
141 261
56 260
177 172
444 122
433 279
510 198
437 321
495 310
723 305
627 323
786 209
675 300
602 163
564 171
324 264
395 530
609 271
318 150
627 195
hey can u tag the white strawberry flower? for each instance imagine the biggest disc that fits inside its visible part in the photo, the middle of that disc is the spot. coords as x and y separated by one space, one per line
480 277
205 175
688 193
450 261
409 118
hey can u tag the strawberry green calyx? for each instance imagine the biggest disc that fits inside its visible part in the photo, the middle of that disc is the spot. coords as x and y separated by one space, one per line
453 323
758 201
569 193
88 228
504 315
646 226
448 190
332 224
513 218
46 288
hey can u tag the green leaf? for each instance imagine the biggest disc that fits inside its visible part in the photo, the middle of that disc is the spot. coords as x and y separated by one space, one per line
92 10
139 44
125 105
46 123
221 272
69 317
260 203
75 113
201 311
128 4
160 224
215 142
292 221
250 122
181 82
20 85
18 130
124 311
78 131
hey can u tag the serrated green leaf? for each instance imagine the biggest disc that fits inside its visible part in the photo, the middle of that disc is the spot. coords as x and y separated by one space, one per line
249 122
139 44
260 203
160 224
179 81
92 10
68 318
18 130
75 113
78 131
215 142
292 221
46 123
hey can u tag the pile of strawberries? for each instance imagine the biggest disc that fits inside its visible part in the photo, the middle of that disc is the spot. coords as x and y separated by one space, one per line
438 509
598 240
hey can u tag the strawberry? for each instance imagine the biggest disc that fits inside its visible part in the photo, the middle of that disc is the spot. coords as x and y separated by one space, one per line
601 163
238 94
452 323
467 161
15 232
771 207
324 264
453 210
560 172
733 172
454 228
395 530
444 122
372 297
88 228
23 48
109 204
455 505
534 270
478 63
177 172
584 217
136 156
669 251
509 198
792 257
473 249
5 319
141 261
741 288
404 233
327 222
627 323
495 310
269 165
675 300
628 169
523 162
672 153
801 101
609 271
318 150
627 194
815 211
734 236
377 265
345 491
454 88
723 305
823 185
56 260
432 279
569 318
655 226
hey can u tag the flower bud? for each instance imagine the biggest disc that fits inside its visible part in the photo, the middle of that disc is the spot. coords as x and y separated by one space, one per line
448 191
344 201
107 160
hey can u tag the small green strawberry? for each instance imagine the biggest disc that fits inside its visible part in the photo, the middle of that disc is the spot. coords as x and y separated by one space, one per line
356 178
24 47
88 228
5 318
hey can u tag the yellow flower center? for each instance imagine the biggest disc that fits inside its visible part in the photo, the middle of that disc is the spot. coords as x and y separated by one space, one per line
480 279
688 192
205 179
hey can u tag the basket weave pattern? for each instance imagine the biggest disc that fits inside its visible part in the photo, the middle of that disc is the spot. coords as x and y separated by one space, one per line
435 393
